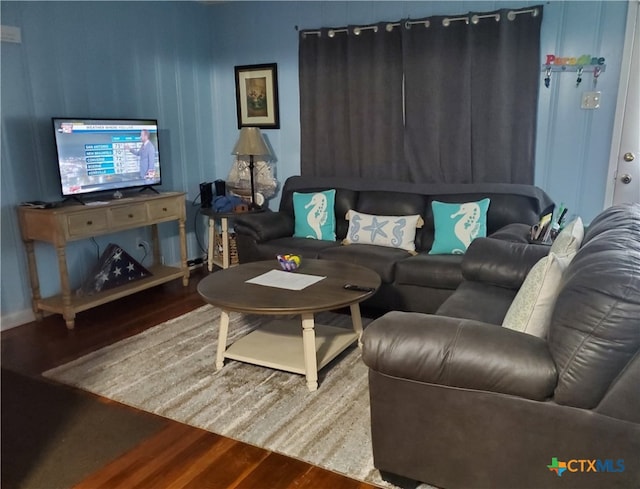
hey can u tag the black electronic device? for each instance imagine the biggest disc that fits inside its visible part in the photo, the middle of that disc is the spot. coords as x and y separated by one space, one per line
206 195
106 155
359 288
221 187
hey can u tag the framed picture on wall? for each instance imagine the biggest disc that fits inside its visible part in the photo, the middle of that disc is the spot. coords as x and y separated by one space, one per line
257 96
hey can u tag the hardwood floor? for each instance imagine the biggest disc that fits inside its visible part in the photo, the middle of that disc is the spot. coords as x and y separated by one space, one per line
177 456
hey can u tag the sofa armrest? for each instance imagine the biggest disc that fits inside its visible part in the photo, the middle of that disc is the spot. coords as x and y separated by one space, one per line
501 263
459 353
264 226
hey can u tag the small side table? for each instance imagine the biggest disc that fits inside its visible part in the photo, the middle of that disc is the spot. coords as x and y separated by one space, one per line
225 260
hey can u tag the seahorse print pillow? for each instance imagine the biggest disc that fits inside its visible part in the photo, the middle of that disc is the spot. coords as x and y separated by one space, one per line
314 215
457 225
389 231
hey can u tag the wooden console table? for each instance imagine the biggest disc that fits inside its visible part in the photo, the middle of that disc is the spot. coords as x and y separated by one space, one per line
74 222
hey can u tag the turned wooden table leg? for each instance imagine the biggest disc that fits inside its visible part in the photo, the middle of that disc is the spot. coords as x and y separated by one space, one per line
309 346
222 339
224 222
68 312
33 278
155 244
212 243
183 252
356 320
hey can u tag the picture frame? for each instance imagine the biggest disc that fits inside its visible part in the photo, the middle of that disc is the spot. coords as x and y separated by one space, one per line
257 96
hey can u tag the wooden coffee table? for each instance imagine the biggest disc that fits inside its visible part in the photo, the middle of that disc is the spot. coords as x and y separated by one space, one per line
279 344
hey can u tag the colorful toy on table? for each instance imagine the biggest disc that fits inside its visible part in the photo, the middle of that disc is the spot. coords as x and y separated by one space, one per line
289 262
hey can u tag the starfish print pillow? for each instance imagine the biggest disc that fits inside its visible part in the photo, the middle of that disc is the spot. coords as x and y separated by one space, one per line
390 231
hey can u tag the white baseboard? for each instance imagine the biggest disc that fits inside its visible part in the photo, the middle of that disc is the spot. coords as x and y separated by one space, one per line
16 319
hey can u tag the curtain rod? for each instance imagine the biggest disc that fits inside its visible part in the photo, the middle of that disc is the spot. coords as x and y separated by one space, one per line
446 22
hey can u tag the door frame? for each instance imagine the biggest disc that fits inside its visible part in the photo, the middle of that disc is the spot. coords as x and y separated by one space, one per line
625 78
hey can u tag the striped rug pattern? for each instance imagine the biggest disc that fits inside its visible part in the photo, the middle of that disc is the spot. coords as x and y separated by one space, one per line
170 370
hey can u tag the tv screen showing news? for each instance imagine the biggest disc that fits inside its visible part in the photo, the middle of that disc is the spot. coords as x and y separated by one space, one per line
97 155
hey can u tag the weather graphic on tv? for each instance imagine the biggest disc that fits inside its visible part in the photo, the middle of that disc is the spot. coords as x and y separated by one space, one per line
95 156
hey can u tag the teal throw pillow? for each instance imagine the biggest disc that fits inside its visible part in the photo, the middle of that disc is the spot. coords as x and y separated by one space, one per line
457 225
314 215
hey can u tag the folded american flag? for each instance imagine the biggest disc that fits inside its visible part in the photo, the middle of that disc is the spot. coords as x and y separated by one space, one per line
115 267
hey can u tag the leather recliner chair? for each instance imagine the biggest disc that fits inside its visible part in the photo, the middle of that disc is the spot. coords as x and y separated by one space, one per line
464 403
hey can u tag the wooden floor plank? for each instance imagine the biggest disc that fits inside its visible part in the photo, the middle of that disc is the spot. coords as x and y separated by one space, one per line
124 469
229 469
316 478
279 470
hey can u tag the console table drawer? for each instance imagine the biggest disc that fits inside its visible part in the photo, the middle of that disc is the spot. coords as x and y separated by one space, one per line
128 215
165 209
87 223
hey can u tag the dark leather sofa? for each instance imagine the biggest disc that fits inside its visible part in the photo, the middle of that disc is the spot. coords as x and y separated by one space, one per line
410 283
458 401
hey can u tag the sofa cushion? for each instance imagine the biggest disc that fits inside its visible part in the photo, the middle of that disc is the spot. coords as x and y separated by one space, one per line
478 301
516 232
456 225
390 231
533 305
498 262
569 240
440 271
378 258
314 215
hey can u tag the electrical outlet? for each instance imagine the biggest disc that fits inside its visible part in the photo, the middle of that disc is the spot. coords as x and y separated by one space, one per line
141 243
590 100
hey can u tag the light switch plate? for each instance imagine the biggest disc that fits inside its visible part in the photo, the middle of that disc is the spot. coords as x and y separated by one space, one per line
590 100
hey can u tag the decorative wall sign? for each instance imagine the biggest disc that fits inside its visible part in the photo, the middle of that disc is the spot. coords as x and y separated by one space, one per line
257 96
584 60
581 64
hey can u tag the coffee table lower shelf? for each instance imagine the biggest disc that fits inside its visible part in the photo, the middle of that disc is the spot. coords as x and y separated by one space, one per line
278 344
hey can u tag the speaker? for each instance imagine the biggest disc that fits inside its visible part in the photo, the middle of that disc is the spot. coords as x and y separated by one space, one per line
221 187
206 194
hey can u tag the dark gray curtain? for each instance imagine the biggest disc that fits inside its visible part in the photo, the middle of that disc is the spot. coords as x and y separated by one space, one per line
351 104
469 102
471 98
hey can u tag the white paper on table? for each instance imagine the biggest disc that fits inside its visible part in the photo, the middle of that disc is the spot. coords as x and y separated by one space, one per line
285 280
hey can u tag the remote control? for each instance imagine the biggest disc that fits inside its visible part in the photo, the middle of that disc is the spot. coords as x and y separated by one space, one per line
359 288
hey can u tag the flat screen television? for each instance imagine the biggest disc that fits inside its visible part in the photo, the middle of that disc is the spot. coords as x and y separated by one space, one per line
106 155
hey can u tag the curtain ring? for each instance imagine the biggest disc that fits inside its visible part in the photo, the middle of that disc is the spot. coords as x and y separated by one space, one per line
446 22
389 27
331 33
511 15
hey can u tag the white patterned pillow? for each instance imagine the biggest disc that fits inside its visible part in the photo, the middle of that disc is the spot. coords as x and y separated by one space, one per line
531 309
389 231
569 240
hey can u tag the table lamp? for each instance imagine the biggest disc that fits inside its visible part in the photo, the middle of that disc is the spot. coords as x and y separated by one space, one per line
251 143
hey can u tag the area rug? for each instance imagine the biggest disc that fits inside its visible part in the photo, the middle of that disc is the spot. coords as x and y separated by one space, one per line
170 370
